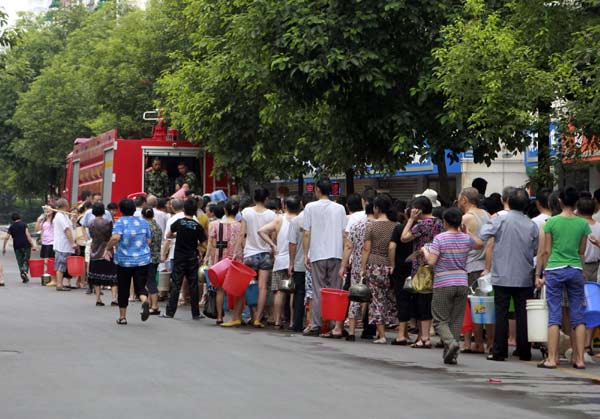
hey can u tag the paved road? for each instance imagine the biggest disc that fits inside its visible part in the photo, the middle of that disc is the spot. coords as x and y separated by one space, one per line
61 357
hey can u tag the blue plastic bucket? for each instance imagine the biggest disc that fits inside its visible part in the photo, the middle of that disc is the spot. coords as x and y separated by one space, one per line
592 309
252 294
483 309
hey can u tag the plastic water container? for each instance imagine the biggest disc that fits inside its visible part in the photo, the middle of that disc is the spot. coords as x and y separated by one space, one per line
591 315
252 293
75 265
164 281
334 304
537 320
36 267
237 279
483 309
50 269
217 272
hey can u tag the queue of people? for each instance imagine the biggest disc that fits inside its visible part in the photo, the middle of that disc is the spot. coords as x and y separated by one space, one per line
420 260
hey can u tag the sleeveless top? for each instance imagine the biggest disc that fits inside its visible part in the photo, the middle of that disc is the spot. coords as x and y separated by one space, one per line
476 258
282 259
47 233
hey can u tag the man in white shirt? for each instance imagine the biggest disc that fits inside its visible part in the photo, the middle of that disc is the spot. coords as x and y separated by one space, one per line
64 243
324 234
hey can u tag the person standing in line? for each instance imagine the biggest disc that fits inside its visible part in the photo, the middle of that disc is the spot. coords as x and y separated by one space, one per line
64 243
103 272
131 237
279 229
566 237
160 213
376 266
448 254
45 225
297 269
515 245
156 235
324 236
257 255
191 239
541 203
224 241
420 229
169 243
474 219
22 244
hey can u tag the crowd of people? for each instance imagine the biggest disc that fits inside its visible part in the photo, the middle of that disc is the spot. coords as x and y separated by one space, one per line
420 260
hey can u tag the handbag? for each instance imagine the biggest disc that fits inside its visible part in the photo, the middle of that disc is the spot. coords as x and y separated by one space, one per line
422 281
210 307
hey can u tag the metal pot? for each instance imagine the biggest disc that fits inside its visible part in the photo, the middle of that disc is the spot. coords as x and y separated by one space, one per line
46 279
286 285
360 293
202 273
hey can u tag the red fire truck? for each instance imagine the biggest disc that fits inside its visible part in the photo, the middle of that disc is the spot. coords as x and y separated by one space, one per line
115 166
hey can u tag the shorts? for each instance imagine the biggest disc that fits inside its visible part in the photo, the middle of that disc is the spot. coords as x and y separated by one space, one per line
60 261
47 251
570 279
278 276
259 262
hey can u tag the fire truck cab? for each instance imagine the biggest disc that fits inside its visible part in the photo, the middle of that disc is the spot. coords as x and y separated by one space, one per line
115 166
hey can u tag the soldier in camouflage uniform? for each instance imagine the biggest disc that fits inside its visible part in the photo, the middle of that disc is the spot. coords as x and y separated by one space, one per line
186 177
156 181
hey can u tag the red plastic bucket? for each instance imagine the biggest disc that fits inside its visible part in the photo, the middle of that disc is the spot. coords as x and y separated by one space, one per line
238 278
467 325
75 265
334 304
50 270
217 272
36 268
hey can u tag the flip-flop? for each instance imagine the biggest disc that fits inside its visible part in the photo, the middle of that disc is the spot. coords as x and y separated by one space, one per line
577 367
466 351
122 322
548 367
402 342
145 311
331 335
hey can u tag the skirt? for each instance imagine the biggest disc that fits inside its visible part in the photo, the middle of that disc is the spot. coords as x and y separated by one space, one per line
47 251
102 273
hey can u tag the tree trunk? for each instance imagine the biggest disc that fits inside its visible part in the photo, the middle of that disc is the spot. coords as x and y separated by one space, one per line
349 181
544 175
440 161
300 184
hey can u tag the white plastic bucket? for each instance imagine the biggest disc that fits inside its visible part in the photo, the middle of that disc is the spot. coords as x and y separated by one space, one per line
483 309
537 321
164 281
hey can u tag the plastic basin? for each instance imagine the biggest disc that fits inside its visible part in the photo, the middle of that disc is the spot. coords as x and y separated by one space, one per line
75 265
36 268
238 278
591 315
218 272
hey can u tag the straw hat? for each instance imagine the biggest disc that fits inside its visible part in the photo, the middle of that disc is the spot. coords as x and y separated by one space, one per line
432 196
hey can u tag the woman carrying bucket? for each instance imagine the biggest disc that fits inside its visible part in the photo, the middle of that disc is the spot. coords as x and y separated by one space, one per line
448 254
224 241
566 237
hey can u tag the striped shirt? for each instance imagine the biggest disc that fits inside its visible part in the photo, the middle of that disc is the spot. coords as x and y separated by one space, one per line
452 249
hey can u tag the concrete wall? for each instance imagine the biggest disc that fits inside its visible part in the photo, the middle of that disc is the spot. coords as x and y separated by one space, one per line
502 172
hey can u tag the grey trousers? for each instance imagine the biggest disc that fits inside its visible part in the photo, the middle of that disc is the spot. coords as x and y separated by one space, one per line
324 275
448 309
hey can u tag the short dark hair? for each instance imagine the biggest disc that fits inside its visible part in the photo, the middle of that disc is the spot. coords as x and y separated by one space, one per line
292 203
96 194
369 194
384 203
307 198
423 203
85 195
161 204
453 216
597 195
112 206
261 195
140 200
480 184
506 192
190 207
245 202
127 207
586 206
147 212
518 200
569 196
585 194
273 204
541 197
15 216
554 203
354 202
231 207
219 211
98 209
324 185
182 164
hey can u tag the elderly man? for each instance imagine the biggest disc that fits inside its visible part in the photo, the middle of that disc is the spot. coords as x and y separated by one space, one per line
156 180
515 245
64 243
186 177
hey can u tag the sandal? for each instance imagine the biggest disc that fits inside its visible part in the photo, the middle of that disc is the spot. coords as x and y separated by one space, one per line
145 311
579 367
403 342
543 365
122 321
331 335
380 341
350 338
421 345
277 327
155 312
114 304
100 304
589 350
